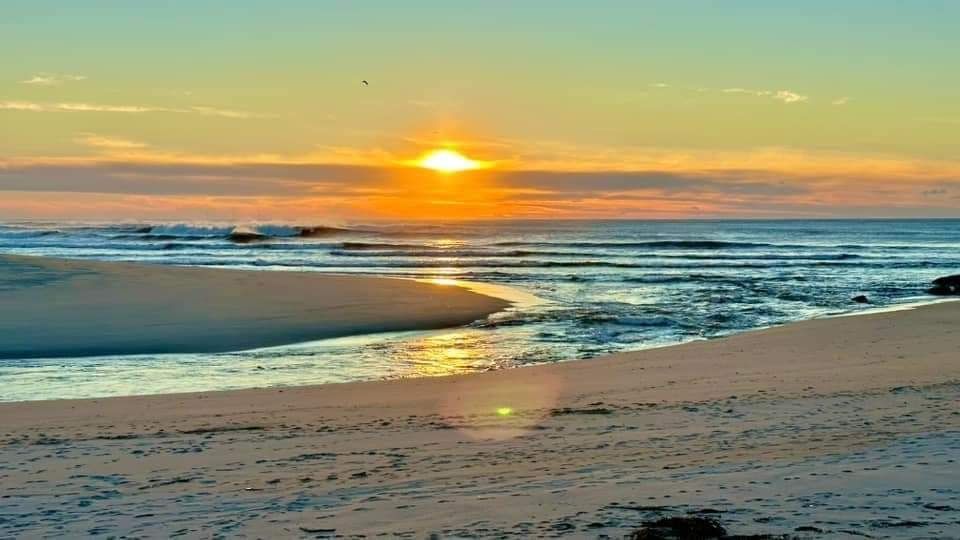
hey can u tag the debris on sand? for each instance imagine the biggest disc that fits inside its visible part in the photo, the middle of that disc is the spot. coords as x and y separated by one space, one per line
568 410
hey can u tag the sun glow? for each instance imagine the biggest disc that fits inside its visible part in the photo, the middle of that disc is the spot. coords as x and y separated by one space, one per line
448 161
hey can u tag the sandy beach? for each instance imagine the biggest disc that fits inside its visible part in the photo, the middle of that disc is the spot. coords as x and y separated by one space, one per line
648 270
839 427
65 308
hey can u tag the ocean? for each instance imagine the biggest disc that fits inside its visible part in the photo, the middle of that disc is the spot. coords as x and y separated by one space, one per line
582 289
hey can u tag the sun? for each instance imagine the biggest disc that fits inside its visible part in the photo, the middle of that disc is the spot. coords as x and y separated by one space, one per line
448 161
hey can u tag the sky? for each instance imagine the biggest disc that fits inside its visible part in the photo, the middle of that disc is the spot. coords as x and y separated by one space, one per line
256 110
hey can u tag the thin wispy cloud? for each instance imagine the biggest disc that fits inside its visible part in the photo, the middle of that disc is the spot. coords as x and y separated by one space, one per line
19 106
76 107
52 79
785 96
840 101
225 113
108 143
740 91
88 107
128 109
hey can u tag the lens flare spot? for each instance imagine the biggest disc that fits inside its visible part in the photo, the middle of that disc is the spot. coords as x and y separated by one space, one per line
478 405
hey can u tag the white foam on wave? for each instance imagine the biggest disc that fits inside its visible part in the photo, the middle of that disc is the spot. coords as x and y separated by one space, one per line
909 305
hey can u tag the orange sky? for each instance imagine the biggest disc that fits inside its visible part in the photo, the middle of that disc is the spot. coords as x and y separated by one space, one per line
637 110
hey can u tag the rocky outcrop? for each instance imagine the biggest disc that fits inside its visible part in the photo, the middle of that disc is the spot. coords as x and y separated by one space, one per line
947 285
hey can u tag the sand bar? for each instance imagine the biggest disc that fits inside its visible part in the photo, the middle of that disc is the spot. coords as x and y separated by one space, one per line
62 308
838 424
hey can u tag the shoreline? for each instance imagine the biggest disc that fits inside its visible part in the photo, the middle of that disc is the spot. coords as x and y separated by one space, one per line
508 295
578 448
949 307
155 309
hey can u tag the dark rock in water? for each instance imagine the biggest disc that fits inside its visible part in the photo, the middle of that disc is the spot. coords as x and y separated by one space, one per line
679 527
861 299
946 285
693 528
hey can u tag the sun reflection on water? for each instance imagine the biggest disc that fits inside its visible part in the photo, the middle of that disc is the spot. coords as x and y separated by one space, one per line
447 243
445 354
481 408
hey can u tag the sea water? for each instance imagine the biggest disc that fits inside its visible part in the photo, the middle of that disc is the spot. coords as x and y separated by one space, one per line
582 289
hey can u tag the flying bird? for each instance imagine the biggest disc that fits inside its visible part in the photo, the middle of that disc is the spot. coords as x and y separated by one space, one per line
364 82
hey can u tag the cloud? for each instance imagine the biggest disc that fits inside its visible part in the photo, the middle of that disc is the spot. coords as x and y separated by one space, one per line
785 96
109 174
87 107
546 179
20 106
225 113
107 143
52 79
652 183
564 184
840 101
128 109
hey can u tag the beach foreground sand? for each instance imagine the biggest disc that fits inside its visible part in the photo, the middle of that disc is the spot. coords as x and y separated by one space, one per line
844 427
60 308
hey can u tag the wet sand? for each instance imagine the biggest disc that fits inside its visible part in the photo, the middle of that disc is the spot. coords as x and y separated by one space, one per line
834 428
51 308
